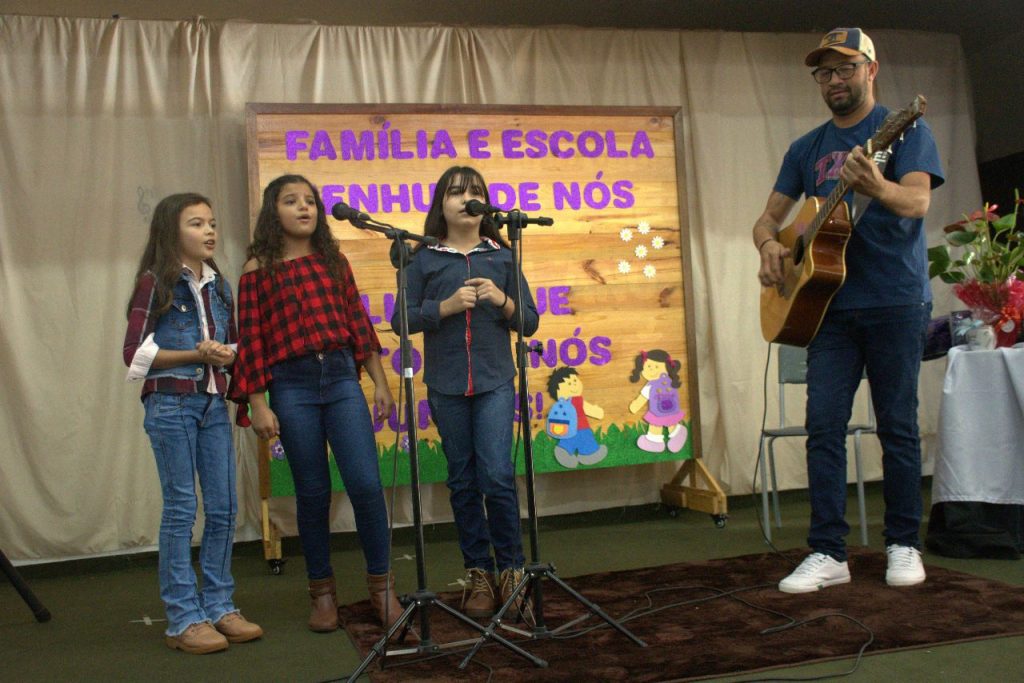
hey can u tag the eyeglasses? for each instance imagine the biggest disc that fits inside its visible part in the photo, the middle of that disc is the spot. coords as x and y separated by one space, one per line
844 71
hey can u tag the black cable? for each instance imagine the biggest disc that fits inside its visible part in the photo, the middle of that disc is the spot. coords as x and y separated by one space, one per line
762 522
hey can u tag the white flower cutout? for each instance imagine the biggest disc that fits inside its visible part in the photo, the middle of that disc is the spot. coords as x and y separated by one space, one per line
643 227
650 271
625 234
640 251
657 241
624 267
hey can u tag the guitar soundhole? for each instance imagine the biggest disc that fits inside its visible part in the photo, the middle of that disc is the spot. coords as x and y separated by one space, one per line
798 250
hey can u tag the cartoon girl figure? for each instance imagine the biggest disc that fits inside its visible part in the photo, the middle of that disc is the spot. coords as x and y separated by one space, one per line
661 397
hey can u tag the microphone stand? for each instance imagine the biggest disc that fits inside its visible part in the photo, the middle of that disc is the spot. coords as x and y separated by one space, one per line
536 570
422 599
41 613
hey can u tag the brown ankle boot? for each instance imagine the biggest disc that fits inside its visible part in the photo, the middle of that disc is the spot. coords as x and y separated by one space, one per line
383 598
323 616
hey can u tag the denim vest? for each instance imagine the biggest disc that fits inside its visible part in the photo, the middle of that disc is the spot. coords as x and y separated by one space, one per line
179 328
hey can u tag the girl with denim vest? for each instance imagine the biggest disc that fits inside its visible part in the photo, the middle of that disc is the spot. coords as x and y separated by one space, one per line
461 295
304 336
179 343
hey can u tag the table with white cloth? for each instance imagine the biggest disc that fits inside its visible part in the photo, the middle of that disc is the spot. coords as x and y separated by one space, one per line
978 480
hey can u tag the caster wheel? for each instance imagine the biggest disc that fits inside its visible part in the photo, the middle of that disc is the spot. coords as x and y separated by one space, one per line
719 521
276 566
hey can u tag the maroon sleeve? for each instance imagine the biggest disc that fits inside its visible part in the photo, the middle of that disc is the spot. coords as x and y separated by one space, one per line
232 333
141 322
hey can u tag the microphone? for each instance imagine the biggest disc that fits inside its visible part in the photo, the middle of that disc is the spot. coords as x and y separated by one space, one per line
478 208
344 212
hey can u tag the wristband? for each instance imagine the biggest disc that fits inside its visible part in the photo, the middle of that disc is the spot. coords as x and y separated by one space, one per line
505 301
766 241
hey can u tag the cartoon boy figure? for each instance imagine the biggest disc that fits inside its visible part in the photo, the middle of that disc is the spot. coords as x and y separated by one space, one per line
578 447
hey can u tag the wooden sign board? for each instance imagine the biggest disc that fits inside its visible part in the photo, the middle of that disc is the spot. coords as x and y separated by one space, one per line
611 277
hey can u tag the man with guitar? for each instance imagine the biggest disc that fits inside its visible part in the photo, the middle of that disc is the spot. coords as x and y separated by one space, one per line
875 314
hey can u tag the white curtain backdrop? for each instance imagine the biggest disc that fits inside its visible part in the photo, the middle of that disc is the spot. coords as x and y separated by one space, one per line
102 118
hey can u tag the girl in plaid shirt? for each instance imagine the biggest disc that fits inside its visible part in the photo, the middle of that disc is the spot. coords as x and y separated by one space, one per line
303 337
179 342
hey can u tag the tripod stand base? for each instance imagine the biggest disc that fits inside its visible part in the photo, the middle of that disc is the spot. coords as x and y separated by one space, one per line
531 582
420 602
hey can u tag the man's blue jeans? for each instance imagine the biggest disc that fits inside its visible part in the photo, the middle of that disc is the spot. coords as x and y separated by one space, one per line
191 433
476 435
318 401
888 342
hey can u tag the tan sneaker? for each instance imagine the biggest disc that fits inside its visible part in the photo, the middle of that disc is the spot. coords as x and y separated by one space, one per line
198 639
238 629
508 580
478 596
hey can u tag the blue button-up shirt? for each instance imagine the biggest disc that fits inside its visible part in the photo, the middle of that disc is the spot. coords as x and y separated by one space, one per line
467 353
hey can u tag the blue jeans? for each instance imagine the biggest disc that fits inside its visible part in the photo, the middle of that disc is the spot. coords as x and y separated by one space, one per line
583 443
888 342
191 433
476 435
318 401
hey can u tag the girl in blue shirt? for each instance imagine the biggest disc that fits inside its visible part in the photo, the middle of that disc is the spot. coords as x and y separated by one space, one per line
461 296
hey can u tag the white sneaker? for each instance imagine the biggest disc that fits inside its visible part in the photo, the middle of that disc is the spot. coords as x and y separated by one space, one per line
904 566
817 571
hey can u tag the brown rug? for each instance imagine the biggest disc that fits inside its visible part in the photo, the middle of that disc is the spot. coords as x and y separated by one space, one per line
694 629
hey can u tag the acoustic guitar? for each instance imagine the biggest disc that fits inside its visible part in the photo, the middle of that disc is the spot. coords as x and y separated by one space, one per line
792 311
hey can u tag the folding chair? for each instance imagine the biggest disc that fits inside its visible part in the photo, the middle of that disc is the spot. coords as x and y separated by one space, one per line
792 364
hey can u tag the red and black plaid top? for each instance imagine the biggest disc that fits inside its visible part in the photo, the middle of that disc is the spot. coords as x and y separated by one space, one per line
293 310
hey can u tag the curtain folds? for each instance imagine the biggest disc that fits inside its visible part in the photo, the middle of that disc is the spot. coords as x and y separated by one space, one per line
102 118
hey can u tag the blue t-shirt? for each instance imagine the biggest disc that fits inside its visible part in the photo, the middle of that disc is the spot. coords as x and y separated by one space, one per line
887 257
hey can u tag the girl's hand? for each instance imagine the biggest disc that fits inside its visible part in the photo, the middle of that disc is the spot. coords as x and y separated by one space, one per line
264 421
215 353
464 298
486 290
382 400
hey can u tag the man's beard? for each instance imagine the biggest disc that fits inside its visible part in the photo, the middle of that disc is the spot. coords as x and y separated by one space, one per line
842 107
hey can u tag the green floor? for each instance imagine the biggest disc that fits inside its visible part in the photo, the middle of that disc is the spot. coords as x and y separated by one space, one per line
103 627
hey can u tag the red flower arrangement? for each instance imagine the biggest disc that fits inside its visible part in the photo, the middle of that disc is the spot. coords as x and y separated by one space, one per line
985 277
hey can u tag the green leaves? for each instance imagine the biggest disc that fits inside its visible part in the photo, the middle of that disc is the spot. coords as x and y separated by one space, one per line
993 249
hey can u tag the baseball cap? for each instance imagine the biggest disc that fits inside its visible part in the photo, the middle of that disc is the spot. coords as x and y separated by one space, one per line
847 41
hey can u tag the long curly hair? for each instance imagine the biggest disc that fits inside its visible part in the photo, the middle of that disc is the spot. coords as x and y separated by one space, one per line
671 366
460 177
162 255
267 245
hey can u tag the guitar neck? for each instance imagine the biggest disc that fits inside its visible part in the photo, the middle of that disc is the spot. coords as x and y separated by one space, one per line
892 128
831 202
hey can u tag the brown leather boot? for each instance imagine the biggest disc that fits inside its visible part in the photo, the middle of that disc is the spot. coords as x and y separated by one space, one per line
383 598
384 601
521 607
478 595
324 614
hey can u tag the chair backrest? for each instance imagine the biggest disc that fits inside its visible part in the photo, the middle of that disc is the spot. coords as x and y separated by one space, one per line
793 370
792 364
